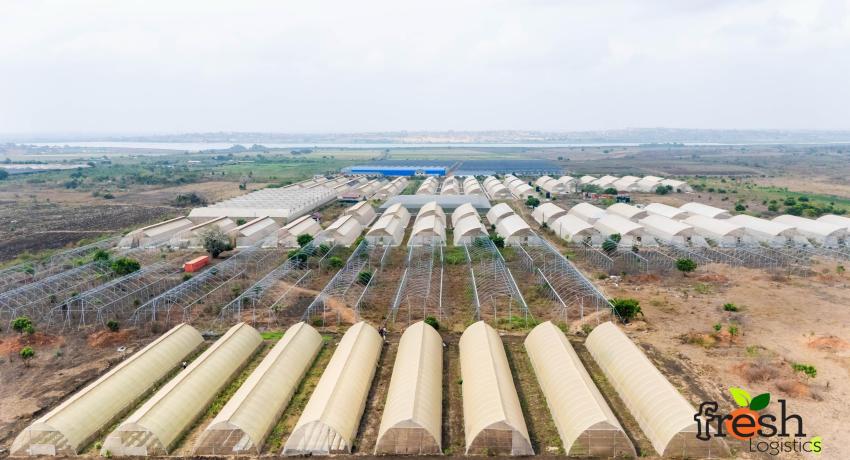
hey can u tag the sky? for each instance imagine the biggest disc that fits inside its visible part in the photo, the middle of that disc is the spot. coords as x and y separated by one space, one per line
138 67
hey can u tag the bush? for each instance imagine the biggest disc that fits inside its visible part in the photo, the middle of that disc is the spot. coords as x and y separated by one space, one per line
626 308
101 256
241 221
125 266
364 277
215 241
686 265
454 256
730 307
298 255
610 191
27 353
718 327
324 249
431 321
663 189
21 324
532 202
305 239
498 241
616 237
807 369
112 325
335 262
609 245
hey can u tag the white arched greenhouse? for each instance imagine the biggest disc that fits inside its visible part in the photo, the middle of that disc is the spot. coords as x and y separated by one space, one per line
499 212
462 211
587 212
74 423
514 230
721 231
160 422
628 211
492 415
667 211
664 415
575 230
468 229
611 224
427 230
699 209
586 424
823 233
249 416
765 231
329 422
412 418
547 212
667 230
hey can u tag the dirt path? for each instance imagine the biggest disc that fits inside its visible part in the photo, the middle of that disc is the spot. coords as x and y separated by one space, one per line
370 423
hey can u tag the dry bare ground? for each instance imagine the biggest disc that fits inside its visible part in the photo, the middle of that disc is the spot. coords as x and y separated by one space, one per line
781 320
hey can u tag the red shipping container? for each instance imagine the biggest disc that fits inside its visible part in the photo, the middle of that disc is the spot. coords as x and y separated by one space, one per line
196 264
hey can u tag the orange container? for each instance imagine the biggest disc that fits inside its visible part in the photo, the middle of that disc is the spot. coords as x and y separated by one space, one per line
196 264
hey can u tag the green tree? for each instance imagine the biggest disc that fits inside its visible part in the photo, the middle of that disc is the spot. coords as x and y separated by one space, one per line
740 207
304 239
610 191
27 354
125 266
22 324
112 325
609 245
532 202
215 241
498 241
686 265
626 308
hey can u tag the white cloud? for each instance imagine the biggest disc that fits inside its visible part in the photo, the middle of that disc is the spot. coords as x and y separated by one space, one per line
145 66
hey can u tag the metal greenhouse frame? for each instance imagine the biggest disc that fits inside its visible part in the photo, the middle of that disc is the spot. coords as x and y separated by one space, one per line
494 288
421 285
343 291
208 283
575 294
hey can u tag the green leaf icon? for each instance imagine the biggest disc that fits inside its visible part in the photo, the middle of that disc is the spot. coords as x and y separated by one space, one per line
741 397
760 402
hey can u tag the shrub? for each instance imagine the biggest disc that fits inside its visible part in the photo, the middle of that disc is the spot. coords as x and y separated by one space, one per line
112 325
304 240
616 237
610 191
532 202
686 265
740 207
125 266
187 276
807 369
663 189
335 262
730 307
364 277
27 353
324 249
718 327
431 321
609 245
215 241
454 256
733 330
298 255
626 308
498 241
21 324
241 221
101 256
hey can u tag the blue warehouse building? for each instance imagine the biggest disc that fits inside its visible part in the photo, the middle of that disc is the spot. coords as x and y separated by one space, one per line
400 170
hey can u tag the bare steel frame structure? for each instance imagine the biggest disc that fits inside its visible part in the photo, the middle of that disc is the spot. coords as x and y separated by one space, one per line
29 272
495 292
345 290
267 299
208 285
574 294
420 291
116 299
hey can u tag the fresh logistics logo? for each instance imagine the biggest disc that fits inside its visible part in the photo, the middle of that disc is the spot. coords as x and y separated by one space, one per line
746 423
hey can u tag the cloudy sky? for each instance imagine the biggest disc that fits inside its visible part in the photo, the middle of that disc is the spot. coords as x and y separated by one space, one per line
327 66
